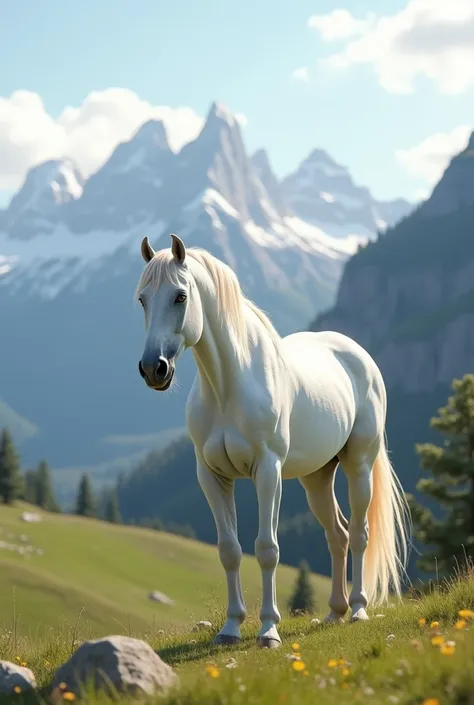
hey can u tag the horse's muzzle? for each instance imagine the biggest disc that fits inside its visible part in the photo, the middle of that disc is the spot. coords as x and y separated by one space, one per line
157 375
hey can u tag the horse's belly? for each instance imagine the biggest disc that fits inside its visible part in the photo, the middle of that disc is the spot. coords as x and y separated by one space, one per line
319 428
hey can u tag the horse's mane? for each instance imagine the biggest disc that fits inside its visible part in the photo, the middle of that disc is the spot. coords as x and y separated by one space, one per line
231 301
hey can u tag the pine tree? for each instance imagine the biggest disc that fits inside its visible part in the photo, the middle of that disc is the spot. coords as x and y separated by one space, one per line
111 511
85 502
302 599
44 489
10 478
30 487
451 485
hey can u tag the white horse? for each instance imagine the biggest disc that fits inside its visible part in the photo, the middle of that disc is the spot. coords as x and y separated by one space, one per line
271 408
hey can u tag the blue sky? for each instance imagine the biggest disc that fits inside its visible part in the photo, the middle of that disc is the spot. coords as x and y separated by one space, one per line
244 54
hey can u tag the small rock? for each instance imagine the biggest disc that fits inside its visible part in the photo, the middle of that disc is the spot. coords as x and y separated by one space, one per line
116 663
12 676
30 517
203 624
158 596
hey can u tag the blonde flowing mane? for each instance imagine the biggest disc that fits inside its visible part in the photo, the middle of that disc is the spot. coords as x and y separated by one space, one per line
231 301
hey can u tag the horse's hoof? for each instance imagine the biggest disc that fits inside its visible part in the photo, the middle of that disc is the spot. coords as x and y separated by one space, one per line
360 616
268 642
226 640
333 619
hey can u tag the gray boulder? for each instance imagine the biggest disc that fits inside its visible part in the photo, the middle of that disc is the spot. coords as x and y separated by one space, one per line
157 596
116 663
13 676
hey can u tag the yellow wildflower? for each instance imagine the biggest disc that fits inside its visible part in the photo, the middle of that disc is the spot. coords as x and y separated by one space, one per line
437 640
23 663
295 647
448 648
341 662
298 666
212 671
333 662
466 614
434 625
422 621
69 696
17 658
17 689
346 671
460 624
431 701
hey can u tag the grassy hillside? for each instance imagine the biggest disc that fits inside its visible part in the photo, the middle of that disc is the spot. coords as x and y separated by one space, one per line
414 654
100 575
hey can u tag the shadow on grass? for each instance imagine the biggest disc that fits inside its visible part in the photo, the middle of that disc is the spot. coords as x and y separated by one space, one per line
189 652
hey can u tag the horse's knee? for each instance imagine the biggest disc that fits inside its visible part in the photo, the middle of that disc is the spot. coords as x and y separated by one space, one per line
267 553
230 554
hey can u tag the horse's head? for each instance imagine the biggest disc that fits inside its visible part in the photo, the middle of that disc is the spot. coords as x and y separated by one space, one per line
173 311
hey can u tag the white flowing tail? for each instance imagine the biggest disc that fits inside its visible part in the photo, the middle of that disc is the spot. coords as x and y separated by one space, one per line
389 532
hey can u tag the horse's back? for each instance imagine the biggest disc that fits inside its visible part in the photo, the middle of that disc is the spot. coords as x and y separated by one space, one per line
338 384
333 350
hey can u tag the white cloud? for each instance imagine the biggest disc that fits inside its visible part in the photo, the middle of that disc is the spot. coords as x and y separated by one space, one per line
87 134
339 24
428 159
433 39
301 74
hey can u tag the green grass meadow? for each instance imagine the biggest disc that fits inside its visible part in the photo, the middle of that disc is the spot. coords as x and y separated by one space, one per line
104 572
93 579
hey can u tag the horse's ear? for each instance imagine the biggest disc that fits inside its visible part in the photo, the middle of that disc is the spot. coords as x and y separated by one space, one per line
178 249
147 250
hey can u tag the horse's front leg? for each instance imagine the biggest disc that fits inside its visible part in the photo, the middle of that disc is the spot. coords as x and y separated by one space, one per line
220 496
267 480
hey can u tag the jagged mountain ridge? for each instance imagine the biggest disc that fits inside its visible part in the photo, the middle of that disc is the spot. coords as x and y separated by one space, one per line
69 274
322 191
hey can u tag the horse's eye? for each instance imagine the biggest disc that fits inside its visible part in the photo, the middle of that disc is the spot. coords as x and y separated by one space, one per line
180 299
140 301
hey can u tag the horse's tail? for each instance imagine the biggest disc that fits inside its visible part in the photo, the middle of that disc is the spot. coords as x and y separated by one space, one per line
389 531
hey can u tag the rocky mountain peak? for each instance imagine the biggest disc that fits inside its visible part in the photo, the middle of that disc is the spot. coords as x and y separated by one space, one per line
46 188
455 189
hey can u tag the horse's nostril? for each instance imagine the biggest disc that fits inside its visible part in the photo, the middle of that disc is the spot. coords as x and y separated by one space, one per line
162 368
141 370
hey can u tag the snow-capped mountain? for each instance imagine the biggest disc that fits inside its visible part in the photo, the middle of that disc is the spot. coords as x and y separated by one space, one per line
70 259
322 191
37 205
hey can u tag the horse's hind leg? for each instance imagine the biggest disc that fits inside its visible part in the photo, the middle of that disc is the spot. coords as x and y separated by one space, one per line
357 461
319 487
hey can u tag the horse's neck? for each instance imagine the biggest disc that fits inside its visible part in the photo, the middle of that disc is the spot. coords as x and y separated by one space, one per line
219 370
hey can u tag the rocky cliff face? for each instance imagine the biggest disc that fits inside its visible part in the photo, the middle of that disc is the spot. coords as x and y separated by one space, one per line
409 299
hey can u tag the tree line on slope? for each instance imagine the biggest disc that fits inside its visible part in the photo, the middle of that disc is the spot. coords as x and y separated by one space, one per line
36 487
